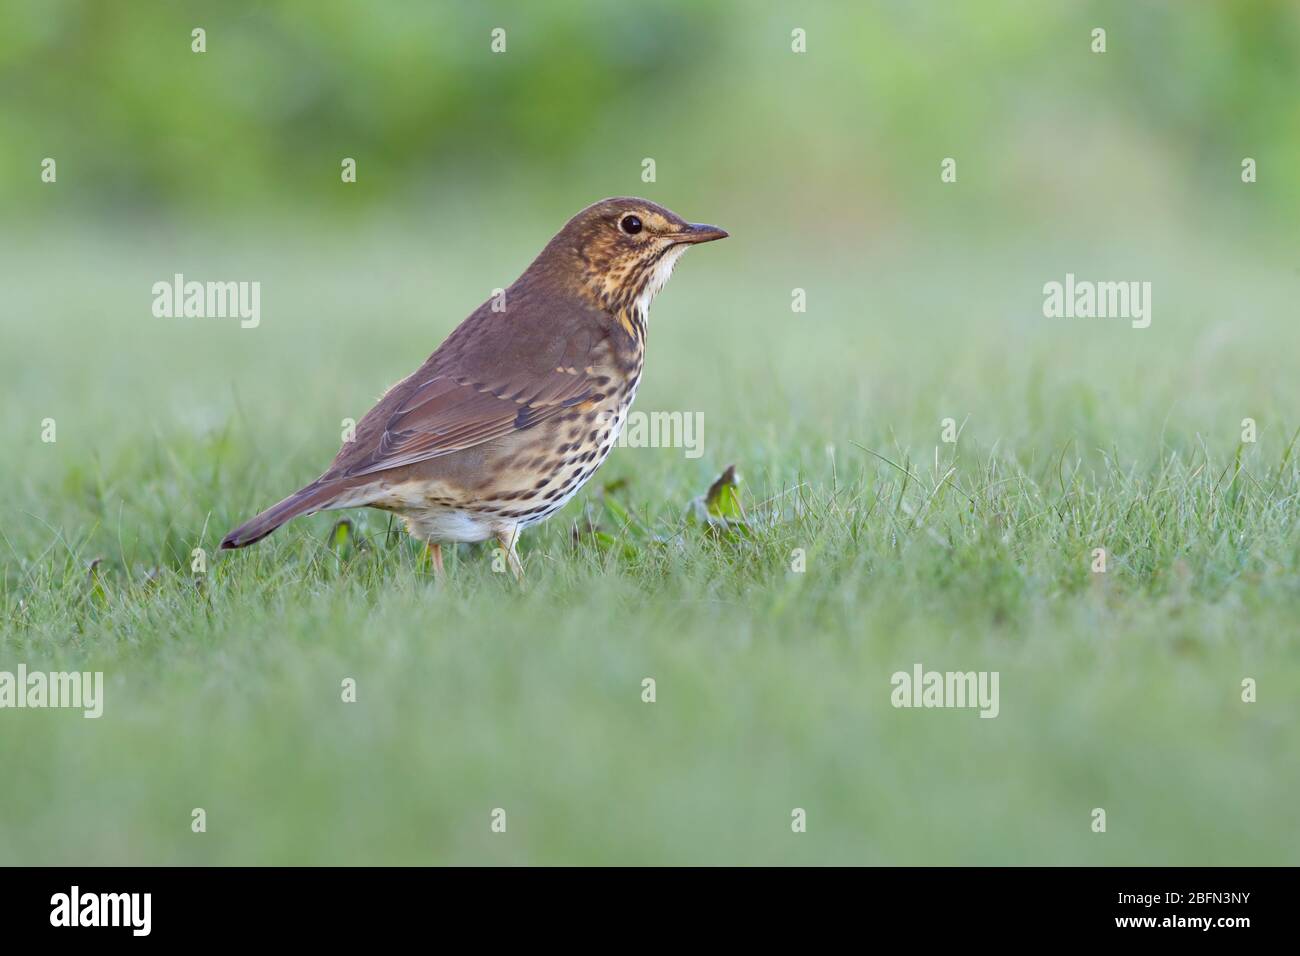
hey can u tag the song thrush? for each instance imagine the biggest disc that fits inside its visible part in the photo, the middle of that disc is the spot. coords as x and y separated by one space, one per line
512 414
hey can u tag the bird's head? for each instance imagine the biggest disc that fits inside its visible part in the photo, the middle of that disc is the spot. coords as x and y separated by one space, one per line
619 252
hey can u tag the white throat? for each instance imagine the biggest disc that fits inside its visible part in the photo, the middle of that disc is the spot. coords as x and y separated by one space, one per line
659 278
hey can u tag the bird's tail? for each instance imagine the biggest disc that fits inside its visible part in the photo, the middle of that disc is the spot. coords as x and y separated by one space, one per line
307 501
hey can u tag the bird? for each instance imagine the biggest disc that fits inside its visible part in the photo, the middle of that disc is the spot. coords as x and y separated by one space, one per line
513 413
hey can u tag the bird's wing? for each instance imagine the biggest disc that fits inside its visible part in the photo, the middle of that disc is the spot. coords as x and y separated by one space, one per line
441 410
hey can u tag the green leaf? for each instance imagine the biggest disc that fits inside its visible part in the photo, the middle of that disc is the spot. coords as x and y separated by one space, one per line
719 508
339 534
723 497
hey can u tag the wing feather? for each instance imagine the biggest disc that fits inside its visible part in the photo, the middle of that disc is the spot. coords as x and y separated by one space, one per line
441 411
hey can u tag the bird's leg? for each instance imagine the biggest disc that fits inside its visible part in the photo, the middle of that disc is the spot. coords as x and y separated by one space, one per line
435 555
507 541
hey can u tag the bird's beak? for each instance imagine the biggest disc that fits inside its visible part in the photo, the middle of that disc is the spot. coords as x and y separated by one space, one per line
699 232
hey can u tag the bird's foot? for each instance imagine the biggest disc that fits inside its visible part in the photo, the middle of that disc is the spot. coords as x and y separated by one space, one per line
435 557
507 539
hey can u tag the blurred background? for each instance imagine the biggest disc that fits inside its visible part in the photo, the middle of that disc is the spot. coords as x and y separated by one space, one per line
824 165
924 302
852 130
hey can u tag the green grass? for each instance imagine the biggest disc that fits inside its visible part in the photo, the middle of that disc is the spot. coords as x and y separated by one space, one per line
1119 690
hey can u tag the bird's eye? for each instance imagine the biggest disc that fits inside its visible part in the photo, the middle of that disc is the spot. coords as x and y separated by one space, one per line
630 224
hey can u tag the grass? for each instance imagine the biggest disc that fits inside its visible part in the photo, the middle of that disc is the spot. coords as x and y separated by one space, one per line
1119 690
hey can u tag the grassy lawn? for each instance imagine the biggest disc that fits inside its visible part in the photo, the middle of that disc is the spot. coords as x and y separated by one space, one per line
1119 690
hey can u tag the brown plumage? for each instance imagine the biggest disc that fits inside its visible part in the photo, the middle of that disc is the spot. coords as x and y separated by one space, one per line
514 412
